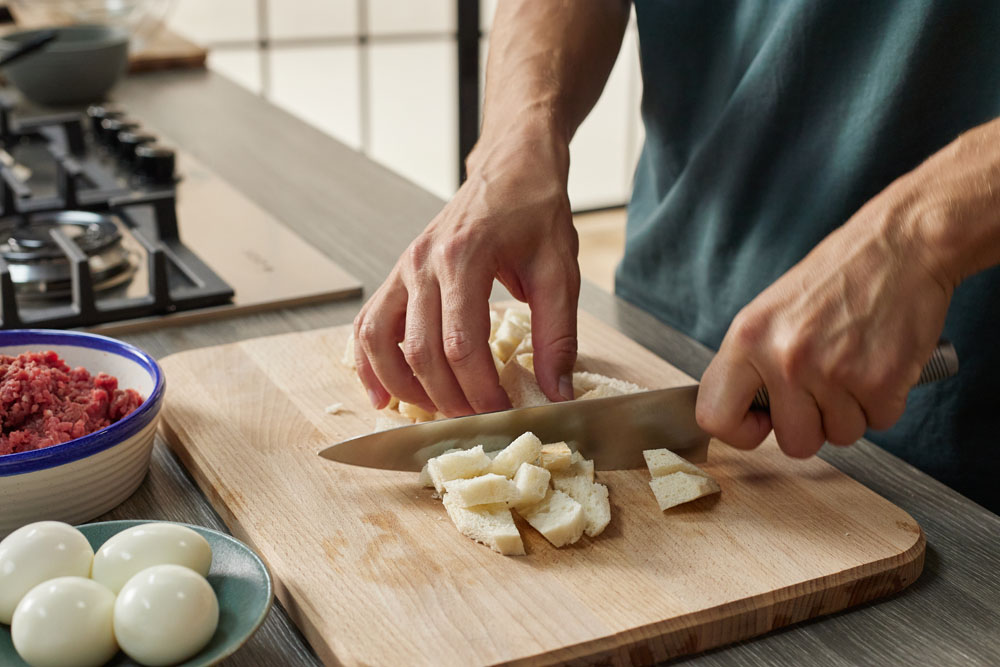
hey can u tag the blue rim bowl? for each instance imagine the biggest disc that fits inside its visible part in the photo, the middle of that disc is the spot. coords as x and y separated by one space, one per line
98 441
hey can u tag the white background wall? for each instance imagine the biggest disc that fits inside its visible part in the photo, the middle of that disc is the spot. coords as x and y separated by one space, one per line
314 67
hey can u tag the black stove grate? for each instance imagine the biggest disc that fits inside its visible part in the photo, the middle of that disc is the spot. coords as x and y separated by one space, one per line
75 168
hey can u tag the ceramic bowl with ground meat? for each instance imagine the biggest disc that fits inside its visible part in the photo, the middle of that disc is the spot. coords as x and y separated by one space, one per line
78 413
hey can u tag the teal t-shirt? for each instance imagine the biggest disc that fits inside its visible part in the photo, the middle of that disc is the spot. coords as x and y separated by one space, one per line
768 124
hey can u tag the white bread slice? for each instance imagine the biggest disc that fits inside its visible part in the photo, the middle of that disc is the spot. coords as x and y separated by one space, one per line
555 456
664 462
593 497
600 391
415 412
521 386
524 449
458 465
386 419
487 489
514 326
348 358
578 467
492 525
681 487
532 483
584 381
557 517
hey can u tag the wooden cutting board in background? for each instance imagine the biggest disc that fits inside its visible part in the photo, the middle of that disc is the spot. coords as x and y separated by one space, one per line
370 568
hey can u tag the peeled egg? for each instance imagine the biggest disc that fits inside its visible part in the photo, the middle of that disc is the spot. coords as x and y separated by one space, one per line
36 553
65 622
165 614
132 551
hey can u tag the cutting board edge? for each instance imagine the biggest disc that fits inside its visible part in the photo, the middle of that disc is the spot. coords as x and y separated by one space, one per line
679 636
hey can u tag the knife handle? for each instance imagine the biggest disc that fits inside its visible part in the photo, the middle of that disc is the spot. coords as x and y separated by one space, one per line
942 365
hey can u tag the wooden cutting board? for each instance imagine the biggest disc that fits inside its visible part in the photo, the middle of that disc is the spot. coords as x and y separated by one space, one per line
370 568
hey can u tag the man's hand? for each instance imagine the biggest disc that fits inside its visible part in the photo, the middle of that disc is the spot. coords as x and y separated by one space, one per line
838 340
423 336
510 221
841 338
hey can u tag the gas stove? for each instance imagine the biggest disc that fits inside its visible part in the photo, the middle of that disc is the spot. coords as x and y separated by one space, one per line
90 235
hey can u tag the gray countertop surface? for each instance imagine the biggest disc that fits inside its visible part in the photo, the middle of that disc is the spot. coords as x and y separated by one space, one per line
363 216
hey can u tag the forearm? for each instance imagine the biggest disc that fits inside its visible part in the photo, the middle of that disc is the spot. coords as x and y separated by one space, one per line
950 206
548 62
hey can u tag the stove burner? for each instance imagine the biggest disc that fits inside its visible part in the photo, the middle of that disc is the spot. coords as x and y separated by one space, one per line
38 266
31 241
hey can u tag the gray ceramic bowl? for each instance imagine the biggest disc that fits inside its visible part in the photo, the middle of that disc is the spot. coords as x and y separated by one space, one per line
80 66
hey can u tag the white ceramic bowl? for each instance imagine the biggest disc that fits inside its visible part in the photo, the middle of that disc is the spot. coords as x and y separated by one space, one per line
81 479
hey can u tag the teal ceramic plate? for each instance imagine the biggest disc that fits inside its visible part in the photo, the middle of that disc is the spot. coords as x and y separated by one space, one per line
240 580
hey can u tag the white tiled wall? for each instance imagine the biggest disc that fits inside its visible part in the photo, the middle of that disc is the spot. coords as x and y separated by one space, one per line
313 66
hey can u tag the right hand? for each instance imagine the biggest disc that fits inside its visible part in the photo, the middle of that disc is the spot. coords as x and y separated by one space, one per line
509 221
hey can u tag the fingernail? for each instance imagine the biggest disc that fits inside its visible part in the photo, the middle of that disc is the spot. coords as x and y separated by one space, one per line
566 387
373 397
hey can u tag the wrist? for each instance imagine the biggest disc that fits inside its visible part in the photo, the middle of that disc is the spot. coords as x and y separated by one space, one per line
532 134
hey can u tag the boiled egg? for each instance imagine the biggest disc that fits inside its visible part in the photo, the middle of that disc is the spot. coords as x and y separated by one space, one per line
165 614
65 622
36 553
132 551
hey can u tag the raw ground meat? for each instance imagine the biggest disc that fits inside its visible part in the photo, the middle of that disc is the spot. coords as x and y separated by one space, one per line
44 402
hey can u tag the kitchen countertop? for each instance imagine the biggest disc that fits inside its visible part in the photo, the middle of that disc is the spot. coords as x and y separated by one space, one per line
363 216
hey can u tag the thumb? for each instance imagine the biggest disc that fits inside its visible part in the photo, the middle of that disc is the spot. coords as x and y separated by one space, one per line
552 297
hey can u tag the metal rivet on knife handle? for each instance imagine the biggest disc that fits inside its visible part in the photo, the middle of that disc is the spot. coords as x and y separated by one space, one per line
942 365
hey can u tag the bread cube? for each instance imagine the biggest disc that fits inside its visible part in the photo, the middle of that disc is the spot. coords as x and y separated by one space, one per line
486 489
681 487
525 448
555 456
527 360
521 386
415 412
492 525
664 462
593 497
557 517
495 318
514 326
532 483
458 465
578 467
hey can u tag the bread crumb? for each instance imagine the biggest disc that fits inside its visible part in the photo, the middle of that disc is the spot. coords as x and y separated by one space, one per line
333 408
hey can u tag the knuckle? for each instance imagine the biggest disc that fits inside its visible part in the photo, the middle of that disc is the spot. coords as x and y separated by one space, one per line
418 253
458 347
564 346
418 353
793 359
368 335
747 330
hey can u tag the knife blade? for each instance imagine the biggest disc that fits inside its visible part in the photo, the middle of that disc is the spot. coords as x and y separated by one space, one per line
613 432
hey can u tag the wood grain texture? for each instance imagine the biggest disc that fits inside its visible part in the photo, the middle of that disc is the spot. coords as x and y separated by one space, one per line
362 216
355 550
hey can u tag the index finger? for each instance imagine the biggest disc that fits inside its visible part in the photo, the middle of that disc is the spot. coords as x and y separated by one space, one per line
465 334
724 396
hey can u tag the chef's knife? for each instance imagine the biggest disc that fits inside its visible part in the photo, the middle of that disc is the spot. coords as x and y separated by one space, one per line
612 431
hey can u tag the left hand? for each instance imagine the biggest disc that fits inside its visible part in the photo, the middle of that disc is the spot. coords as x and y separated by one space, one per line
838 340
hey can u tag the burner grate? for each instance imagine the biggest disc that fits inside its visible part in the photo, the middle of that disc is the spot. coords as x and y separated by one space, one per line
56 222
